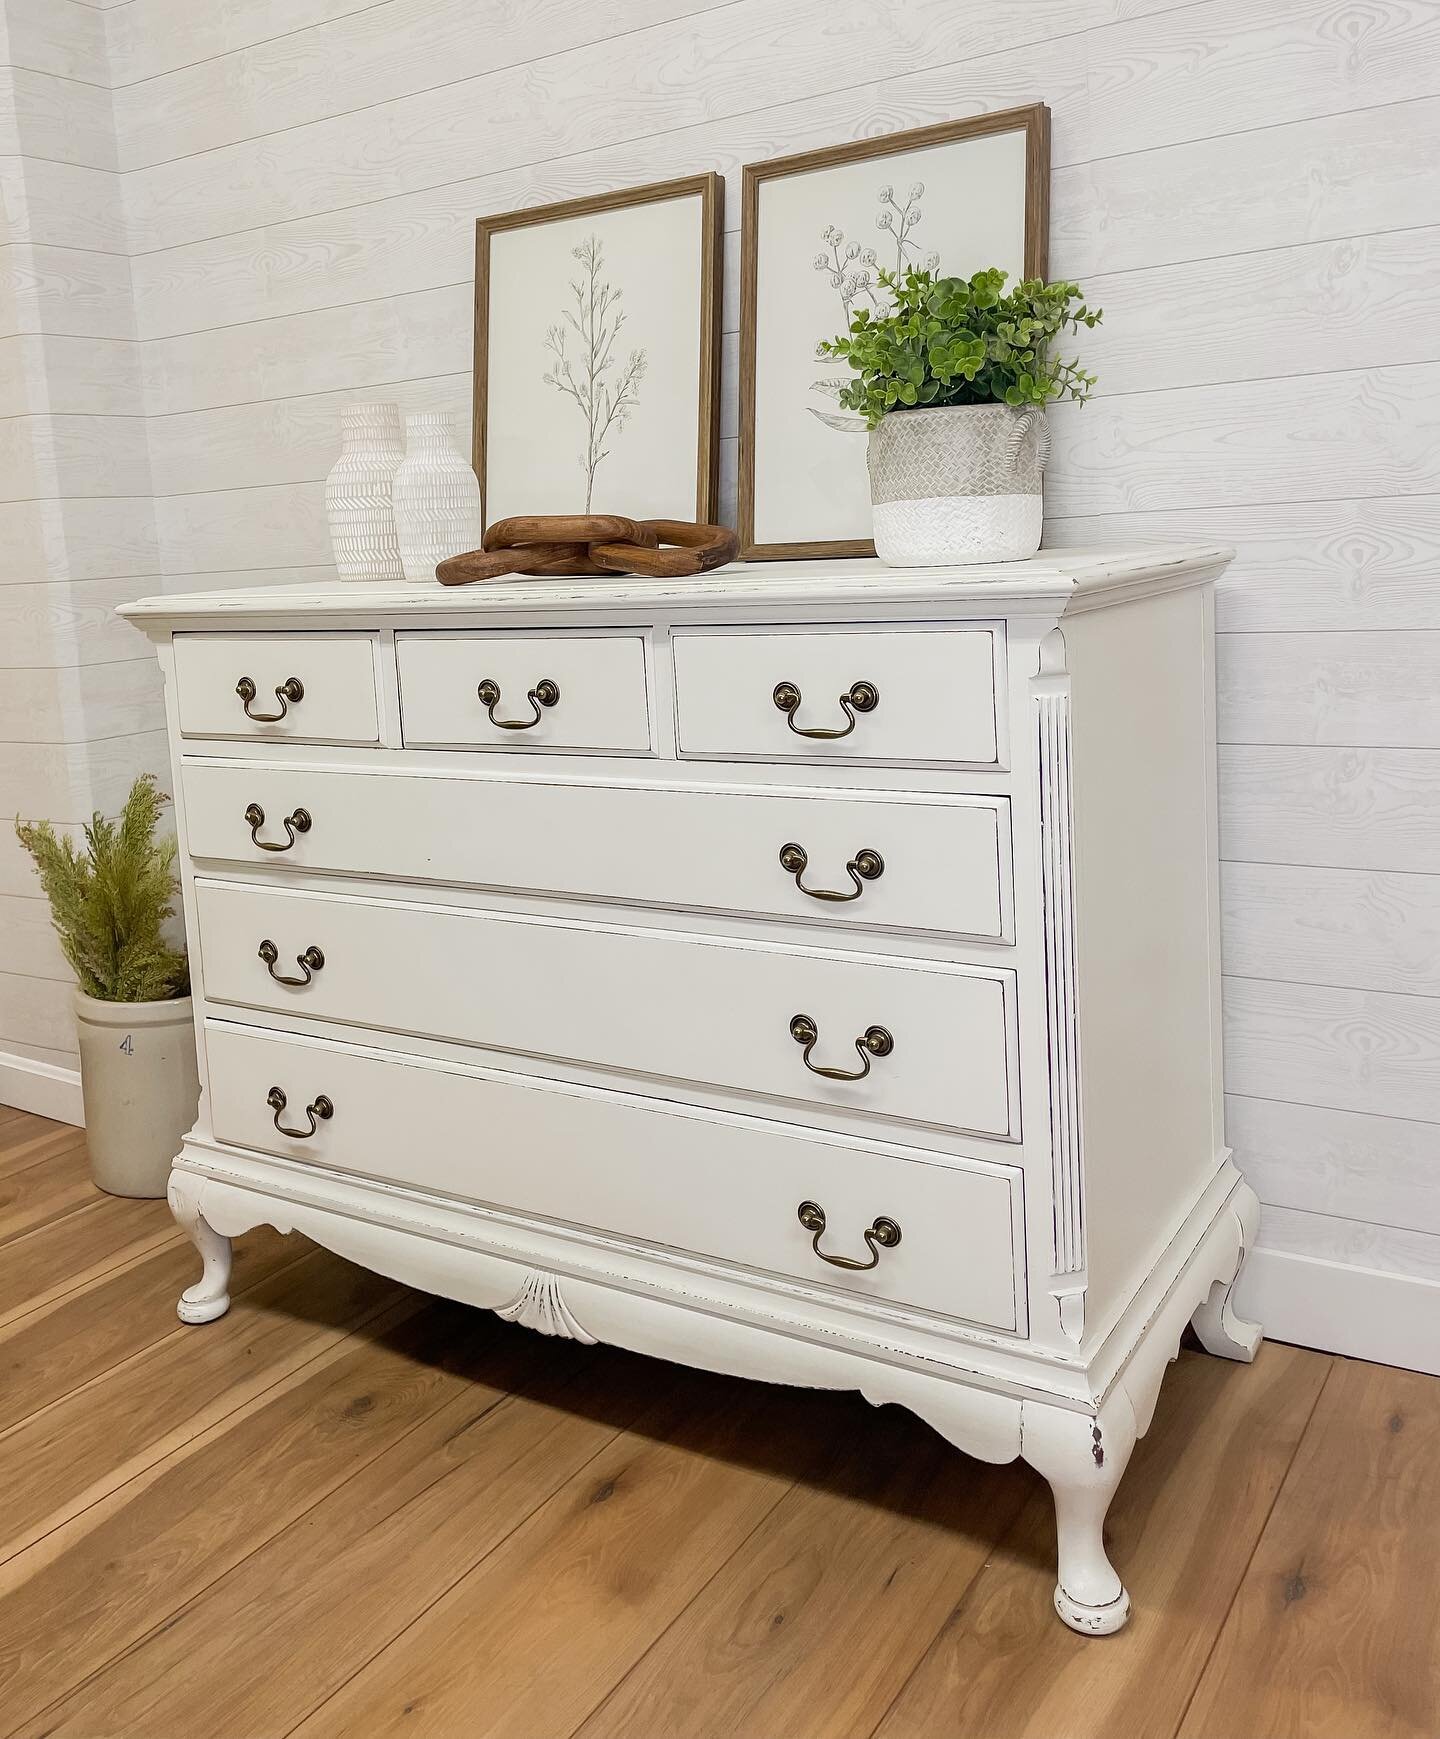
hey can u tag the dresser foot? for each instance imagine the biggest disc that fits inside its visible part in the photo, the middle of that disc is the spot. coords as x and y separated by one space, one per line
1083 1457
209 1297
1220 1330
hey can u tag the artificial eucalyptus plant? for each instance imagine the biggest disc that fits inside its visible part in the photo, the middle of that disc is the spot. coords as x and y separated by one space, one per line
109 901
961 341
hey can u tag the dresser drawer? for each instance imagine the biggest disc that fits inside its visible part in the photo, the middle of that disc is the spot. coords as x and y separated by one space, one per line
921 863
515 691
646 1002
887 694
321 686
722 1188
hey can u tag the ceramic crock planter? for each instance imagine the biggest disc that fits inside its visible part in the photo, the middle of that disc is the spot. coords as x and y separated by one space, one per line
141 1089
958 483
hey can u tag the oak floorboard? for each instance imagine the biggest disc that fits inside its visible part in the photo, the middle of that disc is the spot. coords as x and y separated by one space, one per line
536 1634
812 1624
47 1353
133 1415
521 1420
1180 1531
98 1585
43 1264
47 1189
1333 1634
33 1139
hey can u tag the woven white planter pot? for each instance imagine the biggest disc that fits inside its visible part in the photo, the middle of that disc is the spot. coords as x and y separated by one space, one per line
141 1089
437 498
958 483
358 493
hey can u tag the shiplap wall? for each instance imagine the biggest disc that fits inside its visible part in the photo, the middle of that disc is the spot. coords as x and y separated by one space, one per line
79 711
1252 189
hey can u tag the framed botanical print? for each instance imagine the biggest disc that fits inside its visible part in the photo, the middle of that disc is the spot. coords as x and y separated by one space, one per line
597 354
816 231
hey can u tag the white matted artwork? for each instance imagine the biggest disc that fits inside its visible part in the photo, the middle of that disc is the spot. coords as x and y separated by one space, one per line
597 354
816 230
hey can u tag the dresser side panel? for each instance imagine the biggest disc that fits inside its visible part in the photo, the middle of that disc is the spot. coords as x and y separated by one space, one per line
1147 940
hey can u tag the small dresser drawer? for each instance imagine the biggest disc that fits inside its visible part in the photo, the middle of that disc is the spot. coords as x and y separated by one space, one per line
887 694
515 691
912 1040
304 688
720 1188
897 863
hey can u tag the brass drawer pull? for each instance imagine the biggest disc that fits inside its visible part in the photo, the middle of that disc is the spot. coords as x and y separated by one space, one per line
881 1234
873 1042
298 821
865 866
290 693
863 697
309 963
544 693
318 1110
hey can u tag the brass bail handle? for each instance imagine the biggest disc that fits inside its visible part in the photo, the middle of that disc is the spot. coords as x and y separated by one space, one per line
296 822
289 693
880 1234
310 962
861 697
865 866
319 1110
875 1041
545 693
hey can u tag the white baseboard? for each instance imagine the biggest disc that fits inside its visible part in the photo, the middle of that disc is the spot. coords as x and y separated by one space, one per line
1365 1313
44 1088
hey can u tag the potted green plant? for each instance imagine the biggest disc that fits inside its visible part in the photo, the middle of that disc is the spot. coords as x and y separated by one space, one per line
109 902
952 382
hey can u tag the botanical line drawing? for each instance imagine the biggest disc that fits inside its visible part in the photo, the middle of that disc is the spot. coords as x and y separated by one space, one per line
594 323
851 270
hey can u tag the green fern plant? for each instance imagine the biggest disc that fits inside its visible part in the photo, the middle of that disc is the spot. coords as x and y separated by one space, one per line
109 901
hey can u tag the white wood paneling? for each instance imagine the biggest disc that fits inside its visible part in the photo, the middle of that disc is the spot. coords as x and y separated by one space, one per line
1376 809
1382 1170
58 623
31 949
1357 928
1335 564
1373 690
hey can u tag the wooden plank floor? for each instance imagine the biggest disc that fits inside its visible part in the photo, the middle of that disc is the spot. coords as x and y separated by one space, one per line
347 1509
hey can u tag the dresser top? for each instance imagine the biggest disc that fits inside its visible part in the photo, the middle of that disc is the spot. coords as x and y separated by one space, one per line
1053 581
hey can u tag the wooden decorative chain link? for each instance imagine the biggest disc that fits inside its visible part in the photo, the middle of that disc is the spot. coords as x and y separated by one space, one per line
553 545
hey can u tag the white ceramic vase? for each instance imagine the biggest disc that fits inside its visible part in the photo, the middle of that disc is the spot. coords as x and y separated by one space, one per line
141 1089
437 498
358 493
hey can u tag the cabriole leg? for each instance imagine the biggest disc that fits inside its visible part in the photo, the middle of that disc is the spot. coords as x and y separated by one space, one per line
1221 1331
209 1297
1083 1456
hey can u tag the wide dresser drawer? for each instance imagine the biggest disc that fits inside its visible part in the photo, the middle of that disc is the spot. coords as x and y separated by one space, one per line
908 863
725 1188
905 1039
304 688
880 694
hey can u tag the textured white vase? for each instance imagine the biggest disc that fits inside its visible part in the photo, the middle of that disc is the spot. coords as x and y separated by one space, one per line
358 500
437 498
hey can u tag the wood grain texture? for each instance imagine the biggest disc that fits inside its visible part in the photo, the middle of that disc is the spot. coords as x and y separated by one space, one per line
1214 1446
1340 1162
1362 690
1354 1243
1351 928
103 1234
1370 809
1351 1050
47 1189
1332 1634
443 1524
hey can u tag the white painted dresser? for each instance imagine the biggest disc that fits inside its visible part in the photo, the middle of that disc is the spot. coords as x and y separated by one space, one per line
809 971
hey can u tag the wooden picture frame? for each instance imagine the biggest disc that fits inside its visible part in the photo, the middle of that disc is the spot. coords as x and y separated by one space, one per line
709 189
1032 121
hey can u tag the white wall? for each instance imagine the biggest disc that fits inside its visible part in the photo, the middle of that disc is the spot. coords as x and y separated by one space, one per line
1249 186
